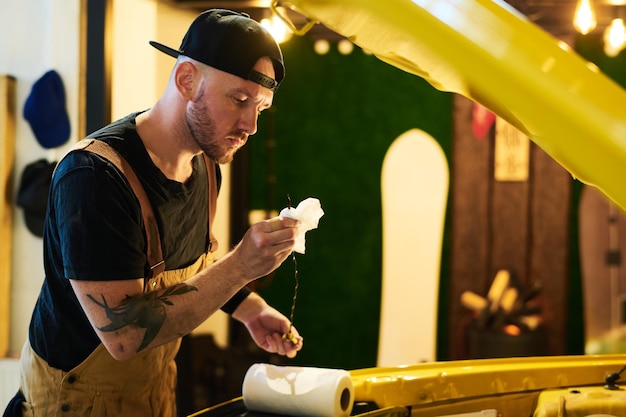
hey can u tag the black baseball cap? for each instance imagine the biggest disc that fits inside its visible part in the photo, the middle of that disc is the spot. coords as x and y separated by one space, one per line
32 195
230 42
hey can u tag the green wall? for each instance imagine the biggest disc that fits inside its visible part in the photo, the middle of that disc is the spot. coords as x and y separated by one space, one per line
334 118
590 48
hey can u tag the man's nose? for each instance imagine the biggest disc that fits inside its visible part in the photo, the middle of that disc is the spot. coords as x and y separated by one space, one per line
248 122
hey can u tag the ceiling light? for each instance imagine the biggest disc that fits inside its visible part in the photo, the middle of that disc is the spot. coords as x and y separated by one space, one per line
345 47
584 17
614 37
321 46
277 28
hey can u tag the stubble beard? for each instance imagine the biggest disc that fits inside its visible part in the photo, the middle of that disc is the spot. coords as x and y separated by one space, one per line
201 126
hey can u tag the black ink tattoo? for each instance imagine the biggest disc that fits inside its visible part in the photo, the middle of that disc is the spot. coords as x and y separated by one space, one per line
146 311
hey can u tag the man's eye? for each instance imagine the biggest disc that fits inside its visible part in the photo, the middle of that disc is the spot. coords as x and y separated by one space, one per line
240 99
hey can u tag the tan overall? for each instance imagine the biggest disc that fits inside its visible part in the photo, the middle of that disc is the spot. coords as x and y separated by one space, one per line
101 386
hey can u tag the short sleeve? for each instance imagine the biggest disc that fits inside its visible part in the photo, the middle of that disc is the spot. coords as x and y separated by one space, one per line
97 219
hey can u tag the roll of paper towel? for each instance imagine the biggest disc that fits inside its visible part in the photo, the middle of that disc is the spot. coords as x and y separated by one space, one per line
298 391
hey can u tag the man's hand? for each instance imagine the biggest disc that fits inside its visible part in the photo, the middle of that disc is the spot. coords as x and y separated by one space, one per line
265 246
267 326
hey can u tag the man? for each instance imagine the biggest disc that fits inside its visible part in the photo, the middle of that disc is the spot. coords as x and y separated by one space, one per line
114 304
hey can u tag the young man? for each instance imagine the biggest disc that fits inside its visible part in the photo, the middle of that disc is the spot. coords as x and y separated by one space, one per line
115 301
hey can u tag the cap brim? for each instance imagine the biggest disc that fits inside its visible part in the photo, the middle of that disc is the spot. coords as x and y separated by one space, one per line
165 49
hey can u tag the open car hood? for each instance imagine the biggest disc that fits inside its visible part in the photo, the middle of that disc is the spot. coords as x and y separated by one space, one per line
488 52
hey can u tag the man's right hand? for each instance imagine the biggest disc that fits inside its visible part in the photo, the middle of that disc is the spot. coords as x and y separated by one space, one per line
266 245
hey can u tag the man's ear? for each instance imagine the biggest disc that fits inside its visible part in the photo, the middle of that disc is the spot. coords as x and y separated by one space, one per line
187 79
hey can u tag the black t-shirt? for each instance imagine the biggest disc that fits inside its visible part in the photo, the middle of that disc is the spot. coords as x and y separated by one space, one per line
94 231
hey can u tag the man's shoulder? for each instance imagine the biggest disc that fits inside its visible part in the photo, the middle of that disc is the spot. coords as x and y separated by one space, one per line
121 135
120 128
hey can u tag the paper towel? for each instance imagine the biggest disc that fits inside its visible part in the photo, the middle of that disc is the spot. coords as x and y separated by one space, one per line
309 212
298 391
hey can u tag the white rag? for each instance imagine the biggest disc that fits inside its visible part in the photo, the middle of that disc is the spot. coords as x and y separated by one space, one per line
309 212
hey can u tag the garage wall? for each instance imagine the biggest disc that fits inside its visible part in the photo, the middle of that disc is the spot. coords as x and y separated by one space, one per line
35 36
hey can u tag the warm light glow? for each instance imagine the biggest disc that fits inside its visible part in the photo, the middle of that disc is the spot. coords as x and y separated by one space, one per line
584 17
512 330
345 47
321 46
615 37
277 28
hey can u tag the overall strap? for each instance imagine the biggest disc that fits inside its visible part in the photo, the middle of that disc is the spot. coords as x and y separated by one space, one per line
154 252
210 170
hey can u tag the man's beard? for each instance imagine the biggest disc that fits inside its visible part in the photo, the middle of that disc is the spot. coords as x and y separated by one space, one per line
202 129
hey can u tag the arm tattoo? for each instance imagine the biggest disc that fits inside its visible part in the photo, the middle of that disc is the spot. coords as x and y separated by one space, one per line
146 310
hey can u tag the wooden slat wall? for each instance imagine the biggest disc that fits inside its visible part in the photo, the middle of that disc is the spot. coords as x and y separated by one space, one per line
520 226
7 150
550 242
470 238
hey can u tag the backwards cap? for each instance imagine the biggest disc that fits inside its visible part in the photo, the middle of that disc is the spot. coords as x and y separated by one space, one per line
231 42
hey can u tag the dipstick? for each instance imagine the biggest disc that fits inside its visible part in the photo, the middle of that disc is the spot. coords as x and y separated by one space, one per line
289 335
